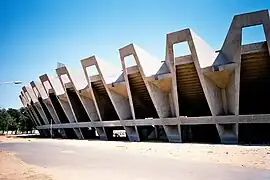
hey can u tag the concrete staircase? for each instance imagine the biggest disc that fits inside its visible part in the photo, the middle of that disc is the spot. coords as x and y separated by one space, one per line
192 101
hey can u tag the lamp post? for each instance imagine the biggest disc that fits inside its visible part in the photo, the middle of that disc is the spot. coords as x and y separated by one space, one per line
11 82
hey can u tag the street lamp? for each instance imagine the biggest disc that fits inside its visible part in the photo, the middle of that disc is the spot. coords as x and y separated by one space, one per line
11 82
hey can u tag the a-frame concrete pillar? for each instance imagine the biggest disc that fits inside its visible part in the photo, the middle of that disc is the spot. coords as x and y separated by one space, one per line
47 106
74 84
53 86
108 75
24 103
33 113
148 67
229 57
36 106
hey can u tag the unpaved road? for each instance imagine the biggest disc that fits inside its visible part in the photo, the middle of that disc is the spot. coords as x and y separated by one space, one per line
73 159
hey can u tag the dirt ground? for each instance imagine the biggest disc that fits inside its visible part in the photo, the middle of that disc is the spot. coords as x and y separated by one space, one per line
244 156
12 168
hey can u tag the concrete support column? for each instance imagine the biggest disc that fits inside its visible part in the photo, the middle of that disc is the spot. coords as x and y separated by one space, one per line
70 117
173 133
224 101
132 133
102 133
228 133
123 110
160 100
55 118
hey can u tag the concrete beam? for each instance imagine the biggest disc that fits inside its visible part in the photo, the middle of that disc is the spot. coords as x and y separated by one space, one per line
218 120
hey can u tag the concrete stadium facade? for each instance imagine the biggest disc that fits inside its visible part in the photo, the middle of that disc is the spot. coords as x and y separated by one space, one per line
207 96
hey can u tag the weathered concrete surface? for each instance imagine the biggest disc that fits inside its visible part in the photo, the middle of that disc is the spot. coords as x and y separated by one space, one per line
201 89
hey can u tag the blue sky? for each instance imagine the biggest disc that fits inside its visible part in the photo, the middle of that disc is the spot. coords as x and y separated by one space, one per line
36 34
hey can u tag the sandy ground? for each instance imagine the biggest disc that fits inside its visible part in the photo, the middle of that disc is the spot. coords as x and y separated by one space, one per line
244 156
12 168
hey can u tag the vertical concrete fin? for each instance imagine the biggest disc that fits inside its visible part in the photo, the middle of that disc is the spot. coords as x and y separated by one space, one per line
69 109
120 103
148 66
228 133
231 51
39 90
86 63
47 88
40 93
54 86
25 106
201 59
72 79
31 109
126 51
28 90
107 76
173 133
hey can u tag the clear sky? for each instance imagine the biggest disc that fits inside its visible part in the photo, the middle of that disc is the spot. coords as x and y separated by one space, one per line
36 34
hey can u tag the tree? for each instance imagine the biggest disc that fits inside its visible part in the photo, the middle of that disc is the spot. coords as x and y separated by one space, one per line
15 114
13 119
6 120
3 120
26 123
